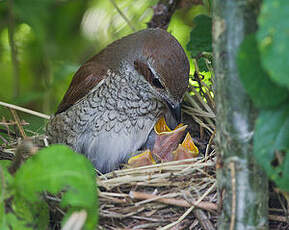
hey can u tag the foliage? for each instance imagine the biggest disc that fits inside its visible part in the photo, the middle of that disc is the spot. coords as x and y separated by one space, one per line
57 170
263 91
201 37
271 144
262 62
273 40
201 40
200 46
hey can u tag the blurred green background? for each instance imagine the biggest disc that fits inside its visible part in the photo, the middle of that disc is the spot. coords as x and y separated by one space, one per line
54 37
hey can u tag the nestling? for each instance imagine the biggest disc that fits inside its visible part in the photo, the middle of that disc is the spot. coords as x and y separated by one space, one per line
117 96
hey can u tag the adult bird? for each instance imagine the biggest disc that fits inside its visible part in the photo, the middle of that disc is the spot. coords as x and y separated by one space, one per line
117 96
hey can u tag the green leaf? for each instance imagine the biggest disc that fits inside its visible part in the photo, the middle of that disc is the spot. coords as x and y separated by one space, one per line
21 215
271 142
202 63
201 36
55 169
30 213
263 91
16 223
273 39
5 178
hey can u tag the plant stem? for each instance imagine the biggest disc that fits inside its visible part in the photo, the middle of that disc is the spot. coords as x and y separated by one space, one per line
13 47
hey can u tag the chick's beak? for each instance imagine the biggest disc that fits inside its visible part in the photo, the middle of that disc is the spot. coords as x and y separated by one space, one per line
175 111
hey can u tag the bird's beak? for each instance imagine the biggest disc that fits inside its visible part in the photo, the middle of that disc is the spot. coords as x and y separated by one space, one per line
175 111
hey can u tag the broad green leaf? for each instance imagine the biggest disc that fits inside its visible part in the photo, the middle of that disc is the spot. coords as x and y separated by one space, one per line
263 91
30 213
201 39
5 177
55 169
273 39
14 220
15 223
5 192
271 142
201 36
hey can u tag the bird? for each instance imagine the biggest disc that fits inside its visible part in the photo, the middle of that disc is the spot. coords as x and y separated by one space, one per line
117 96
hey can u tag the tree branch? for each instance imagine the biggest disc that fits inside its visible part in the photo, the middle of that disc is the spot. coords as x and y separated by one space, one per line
163 12
242 184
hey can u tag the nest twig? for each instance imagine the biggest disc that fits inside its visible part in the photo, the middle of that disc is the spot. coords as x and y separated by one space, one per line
159 196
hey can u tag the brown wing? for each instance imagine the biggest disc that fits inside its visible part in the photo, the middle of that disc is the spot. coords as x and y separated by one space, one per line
87 77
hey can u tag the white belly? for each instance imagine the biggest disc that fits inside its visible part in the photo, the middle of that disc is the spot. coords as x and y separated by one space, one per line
107 150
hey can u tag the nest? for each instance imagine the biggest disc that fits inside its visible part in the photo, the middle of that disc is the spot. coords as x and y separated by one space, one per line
180 194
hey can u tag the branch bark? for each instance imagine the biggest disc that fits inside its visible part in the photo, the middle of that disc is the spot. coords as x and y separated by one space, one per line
163 12
242 185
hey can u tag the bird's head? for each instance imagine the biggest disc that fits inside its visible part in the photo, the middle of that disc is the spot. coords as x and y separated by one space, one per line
152 53
163 63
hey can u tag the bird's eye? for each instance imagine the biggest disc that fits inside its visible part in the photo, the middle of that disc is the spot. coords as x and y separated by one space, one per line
144 70
157 83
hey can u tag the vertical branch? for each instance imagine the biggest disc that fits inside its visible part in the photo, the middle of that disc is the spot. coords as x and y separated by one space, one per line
242 185
11 27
